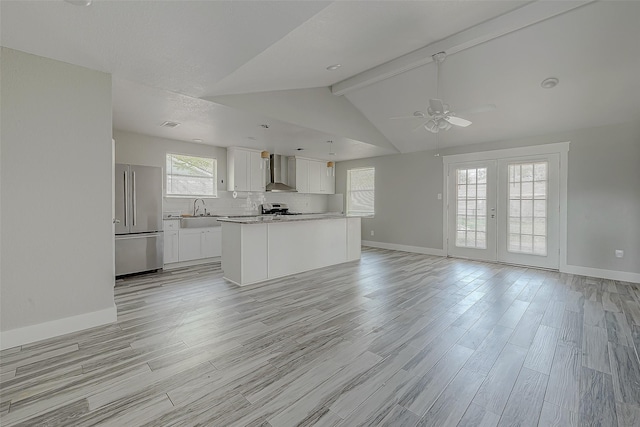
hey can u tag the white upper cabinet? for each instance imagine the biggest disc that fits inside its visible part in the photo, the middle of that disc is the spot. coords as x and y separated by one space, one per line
328 180
315 177
302 175
258 169
246 171
311 176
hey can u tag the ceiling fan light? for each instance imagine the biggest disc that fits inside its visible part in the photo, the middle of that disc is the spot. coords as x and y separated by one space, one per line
432 126
79 2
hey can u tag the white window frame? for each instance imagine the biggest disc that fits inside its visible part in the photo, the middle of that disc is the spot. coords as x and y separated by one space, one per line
360 214
191 196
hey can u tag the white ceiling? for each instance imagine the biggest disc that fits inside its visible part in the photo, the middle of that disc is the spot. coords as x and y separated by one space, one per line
594 51
224 126
165 55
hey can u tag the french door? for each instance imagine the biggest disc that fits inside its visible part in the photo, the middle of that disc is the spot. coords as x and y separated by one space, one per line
505 210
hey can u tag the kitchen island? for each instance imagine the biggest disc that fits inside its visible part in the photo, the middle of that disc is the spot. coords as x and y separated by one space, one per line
260 248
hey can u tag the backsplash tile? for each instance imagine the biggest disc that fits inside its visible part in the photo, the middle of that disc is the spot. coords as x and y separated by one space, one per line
249 203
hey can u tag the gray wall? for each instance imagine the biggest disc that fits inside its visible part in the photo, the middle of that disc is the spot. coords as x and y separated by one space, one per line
56 191
407 209
603 195
138 149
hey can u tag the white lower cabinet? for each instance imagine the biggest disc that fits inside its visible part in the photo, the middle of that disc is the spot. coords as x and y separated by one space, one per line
212 242
171 232
199 243
171 247
190 244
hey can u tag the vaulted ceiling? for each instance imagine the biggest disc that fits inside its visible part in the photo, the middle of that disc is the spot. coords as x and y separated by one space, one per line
223 68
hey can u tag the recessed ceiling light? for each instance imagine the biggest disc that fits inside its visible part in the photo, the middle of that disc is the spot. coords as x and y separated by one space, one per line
169 124
79 2
197 140
333 67
550 83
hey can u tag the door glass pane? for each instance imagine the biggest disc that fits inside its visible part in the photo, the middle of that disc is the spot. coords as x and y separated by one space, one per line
471 208
527 225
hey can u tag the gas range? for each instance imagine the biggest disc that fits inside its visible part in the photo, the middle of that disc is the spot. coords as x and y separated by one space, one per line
276 209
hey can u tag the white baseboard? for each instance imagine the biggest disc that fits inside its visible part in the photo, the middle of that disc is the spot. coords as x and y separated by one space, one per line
404 248
623 276
54 328
191 263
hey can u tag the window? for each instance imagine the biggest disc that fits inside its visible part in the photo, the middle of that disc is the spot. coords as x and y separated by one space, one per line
471 208
360 191
191 176
528 208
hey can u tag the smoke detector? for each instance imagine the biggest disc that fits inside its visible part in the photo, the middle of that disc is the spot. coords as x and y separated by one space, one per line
550 83
169 124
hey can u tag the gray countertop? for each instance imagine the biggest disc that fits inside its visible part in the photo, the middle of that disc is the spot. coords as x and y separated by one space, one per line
261 219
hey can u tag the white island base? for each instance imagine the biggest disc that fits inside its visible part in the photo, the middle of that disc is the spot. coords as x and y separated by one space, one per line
254 251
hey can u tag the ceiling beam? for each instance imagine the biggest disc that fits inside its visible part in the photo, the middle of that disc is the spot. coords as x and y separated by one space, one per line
517 19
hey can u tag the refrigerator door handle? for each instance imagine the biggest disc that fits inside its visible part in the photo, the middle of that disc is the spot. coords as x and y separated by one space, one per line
133 199
126 194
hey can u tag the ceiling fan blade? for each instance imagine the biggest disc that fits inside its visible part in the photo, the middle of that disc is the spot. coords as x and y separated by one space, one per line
479 109
458 121
421 125
436 105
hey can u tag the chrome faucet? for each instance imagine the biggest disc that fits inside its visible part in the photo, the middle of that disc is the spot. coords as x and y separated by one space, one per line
195 210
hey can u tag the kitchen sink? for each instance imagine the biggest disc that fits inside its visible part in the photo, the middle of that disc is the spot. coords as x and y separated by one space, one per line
199 222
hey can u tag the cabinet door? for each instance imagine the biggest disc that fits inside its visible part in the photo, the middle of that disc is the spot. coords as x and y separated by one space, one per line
190 244
328 181
257 172
212 242
315 176
171 247
302 175
241 170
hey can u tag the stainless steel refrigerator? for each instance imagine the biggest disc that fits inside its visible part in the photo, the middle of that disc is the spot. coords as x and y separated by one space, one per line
138 219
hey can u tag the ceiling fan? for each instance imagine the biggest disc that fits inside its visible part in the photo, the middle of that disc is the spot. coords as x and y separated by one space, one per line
438 114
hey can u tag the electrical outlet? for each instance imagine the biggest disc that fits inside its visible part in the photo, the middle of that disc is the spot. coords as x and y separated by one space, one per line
372 232
619 253
439 196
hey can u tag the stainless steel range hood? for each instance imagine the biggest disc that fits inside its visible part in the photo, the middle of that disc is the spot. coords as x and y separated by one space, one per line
276 184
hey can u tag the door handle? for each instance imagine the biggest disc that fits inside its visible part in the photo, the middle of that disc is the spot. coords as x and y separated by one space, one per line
133 199
116 221
126 200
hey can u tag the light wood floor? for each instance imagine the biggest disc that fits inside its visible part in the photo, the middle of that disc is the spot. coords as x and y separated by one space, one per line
396 339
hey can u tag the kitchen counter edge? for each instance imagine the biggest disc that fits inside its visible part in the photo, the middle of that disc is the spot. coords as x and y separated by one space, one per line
281 218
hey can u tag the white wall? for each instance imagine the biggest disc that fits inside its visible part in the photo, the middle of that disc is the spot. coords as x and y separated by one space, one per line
603 195
55 177
134 148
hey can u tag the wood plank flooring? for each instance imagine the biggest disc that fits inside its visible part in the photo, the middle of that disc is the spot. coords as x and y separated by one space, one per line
396 339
